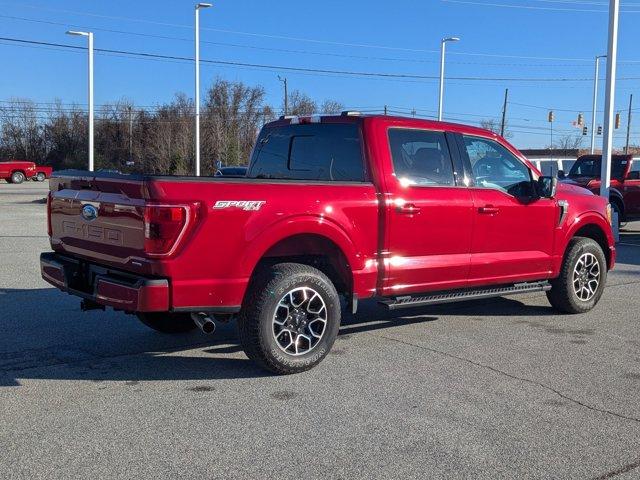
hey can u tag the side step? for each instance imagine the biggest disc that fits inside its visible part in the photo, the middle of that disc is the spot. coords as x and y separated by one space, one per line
407 301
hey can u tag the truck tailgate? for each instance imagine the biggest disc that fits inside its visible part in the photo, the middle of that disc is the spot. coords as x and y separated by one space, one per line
102 219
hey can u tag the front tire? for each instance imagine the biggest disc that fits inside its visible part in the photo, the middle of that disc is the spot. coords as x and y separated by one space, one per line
40 177
17 177
582 279
290 318
167 322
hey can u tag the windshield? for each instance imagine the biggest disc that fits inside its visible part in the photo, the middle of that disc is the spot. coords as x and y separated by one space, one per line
590 167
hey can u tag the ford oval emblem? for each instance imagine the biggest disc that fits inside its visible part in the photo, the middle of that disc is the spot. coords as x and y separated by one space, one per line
89 212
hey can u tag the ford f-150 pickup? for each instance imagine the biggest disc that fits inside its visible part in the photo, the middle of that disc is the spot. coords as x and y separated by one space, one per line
624 193
17 171
333 210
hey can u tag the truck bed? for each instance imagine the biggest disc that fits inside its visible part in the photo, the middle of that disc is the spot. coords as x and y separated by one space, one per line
222 227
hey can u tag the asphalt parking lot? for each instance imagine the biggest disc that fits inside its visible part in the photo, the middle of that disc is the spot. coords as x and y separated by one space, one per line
494 389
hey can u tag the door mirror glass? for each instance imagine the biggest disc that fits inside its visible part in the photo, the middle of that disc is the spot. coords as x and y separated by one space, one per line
561 174
547 186
634 175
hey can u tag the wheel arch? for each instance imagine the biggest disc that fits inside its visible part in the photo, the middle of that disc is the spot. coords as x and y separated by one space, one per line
310 241
595 230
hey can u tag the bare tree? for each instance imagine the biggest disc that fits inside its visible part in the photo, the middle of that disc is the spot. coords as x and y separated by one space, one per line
21 135
494 126
331 107
233 114
568 142
157 139
301 104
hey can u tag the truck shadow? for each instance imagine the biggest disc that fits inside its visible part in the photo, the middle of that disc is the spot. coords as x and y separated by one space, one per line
45 336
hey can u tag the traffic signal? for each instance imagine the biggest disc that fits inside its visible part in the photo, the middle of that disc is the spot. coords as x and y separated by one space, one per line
551 116
617 120
580 119
599 129
584 130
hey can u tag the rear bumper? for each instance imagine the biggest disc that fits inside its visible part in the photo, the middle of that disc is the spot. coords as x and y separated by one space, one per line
105 286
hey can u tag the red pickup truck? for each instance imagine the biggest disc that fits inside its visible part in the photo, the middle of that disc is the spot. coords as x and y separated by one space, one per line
17 171
625 182
333 210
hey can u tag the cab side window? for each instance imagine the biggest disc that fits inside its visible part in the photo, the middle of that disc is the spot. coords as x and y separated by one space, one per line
421 157
634 173
493 166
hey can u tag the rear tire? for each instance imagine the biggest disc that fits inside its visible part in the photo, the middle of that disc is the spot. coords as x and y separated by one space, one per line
17 177
582 278
290 318
168 322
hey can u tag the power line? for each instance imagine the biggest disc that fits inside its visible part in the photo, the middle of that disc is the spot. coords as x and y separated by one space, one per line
300 69
533 7
292 51
288 38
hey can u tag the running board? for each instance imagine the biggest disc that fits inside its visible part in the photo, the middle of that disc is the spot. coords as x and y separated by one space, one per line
407 301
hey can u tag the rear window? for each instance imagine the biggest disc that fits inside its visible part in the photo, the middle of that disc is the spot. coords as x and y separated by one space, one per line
328 152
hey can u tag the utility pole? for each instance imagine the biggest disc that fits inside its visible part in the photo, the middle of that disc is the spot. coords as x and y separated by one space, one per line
286 94
551 119
130 135
612 58
504 112
626 148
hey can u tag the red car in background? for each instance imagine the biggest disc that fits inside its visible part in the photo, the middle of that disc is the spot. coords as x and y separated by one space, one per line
17 171
625 182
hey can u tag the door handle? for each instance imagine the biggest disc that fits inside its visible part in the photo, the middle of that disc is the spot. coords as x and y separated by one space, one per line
408 209
489 210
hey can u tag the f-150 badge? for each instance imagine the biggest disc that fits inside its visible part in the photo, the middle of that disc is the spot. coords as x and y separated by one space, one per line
247 205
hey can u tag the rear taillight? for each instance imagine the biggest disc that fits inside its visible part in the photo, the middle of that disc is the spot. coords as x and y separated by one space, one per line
49 229
165 226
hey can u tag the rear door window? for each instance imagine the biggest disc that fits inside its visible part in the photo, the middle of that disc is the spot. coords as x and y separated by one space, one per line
421 157
327 152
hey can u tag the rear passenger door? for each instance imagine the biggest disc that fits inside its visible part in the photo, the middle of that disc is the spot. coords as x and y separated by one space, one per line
513 230
429 214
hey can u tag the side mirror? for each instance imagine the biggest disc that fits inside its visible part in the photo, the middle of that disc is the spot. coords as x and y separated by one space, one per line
547 186
634 175
561 174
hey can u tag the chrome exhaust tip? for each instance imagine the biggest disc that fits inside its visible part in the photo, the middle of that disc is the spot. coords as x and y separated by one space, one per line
204 322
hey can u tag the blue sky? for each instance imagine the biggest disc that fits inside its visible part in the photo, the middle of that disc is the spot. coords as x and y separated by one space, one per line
522 39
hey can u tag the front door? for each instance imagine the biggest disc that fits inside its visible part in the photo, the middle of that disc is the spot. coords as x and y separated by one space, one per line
513 230
428 215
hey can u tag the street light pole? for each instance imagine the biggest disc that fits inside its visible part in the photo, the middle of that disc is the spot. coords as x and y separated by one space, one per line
89 36
442 55
595 103
197 93
612 58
